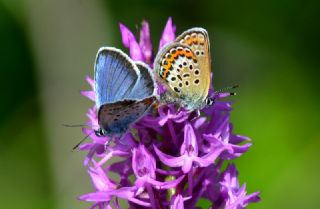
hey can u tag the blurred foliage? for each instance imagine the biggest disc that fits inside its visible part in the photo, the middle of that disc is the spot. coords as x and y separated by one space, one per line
24 173
270 48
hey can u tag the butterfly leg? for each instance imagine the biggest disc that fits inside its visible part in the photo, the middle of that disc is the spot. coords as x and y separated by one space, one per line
107 143
198 113
122 140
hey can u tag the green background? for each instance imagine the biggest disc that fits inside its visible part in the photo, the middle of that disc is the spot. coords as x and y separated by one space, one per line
271 48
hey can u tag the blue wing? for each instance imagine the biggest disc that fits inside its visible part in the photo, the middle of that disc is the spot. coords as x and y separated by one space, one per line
146 85
116 76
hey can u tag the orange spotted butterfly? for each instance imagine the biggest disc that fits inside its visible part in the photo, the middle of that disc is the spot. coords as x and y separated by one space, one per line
184 68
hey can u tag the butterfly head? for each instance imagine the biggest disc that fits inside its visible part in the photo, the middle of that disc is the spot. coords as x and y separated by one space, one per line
101 132
209 101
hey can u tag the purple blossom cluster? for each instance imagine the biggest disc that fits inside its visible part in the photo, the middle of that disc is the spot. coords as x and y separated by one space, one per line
171 158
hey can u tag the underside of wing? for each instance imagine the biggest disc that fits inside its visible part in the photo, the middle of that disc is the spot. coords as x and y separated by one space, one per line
178 68
115 118
198 40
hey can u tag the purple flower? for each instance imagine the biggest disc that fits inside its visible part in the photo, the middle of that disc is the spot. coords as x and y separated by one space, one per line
177 202
143 50
189 153
145 42
130 42
144 167
89 94
220 134
236 197
168 34
171 157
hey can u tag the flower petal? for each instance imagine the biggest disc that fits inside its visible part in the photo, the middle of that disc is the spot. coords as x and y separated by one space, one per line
187 165
145 42
90 82
130 42
190 144
129 193
89 94
100 180
166 184
169 160
143 163
209 158
177 202
168 34
96 197
236 139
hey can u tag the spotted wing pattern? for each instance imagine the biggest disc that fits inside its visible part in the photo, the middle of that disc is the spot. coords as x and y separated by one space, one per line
116 117
198 40
184 67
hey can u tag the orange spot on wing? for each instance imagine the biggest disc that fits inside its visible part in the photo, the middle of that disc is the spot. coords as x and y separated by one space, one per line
167 67
148 101
173 57
189 42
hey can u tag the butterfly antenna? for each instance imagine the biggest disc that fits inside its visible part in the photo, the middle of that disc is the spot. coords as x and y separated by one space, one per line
82 140
227 89
75 126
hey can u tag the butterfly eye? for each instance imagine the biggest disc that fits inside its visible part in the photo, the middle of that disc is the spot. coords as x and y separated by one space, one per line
100 132
210 101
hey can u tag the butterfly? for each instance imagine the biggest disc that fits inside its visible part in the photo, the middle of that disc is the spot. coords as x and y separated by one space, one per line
124 89
184 67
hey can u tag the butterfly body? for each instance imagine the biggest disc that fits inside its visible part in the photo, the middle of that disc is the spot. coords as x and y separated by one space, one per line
184 67
125 90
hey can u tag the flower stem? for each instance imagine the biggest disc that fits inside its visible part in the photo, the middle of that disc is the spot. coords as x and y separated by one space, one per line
151 196
190 182
173 133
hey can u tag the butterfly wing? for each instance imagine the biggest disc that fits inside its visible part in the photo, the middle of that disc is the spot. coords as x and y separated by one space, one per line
178 69
116 76
146 85
115 118
198 40
184 67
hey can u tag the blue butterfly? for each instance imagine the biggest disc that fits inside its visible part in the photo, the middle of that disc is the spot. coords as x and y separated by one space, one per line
125 90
